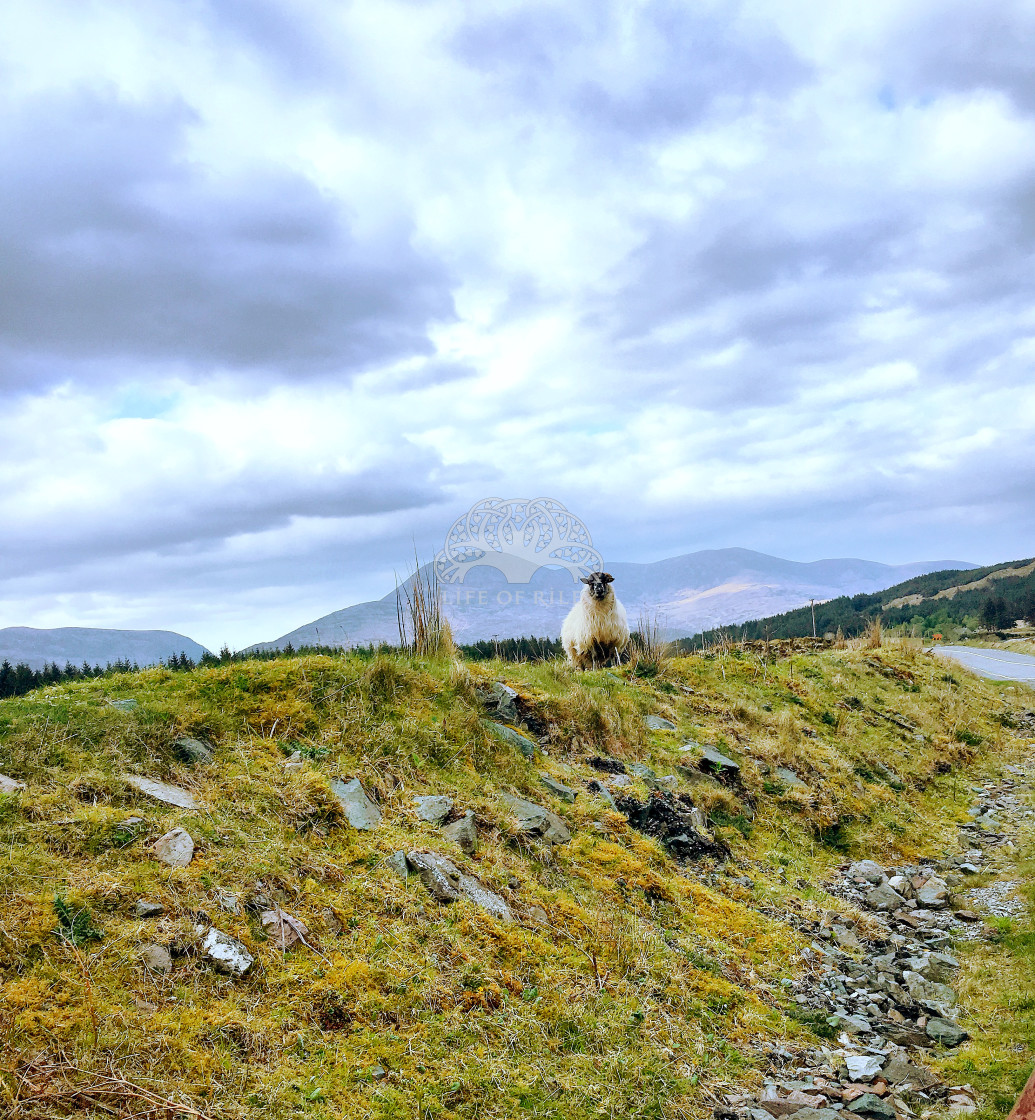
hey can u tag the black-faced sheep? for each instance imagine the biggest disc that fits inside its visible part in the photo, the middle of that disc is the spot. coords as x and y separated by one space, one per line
596 630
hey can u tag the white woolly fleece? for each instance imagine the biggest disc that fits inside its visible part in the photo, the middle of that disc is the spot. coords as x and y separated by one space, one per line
595 630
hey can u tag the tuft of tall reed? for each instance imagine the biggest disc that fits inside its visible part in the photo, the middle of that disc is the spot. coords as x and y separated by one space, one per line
650 649
874 635
423 626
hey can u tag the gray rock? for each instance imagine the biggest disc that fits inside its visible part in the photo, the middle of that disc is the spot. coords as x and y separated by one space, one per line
487 900
144 909
440 877
175 848
398 863
816 1114
293 762
558 789
511 736
938 967
867 871
157 958
620 781
10 785
852 1024
934 894
447 883
659 723
225 953
903 1034
922 989
537 821
161 791
789 779
946 1032
969 869
193 751
360 811
463 832
869 1104
501 699
899 1070
713 761
434 810
639 770
847 939
883 898
601 791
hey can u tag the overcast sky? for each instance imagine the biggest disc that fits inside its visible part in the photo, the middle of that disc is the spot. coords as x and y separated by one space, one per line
286 286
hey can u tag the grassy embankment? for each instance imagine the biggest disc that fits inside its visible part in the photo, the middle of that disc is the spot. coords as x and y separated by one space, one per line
644 993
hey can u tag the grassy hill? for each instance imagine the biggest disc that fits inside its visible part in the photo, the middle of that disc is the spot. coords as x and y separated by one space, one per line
629 983
950 602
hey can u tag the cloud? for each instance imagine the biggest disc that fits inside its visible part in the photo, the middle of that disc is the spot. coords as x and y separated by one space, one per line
209 473
660 72
962 48
287 288
120 249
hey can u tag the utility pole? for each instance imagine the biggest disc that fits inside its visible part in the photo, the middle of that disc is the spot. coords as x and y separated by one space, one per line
812 606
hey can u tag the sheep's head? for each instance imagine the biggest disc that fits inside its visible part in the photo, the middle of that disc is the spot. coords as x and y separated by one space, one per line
598 584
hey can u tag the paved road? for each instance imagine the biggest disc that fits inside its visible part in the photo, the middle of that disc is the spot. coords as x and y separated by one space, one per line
996 664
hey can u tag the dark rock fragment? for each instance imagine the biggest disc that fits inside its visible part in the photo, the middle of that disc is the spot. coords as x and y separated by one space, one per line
673 819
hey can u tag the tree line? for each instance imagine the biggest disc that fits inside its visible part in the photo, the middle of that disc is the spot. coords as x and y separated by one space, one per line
996 607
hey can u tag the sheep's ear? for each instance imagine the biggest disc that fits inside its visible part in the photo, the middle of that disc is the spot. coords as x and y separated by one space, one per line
582 579
608 578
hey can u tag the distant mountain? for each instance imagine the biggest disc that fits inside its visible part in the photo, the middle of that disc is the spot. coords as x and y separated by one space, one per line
687 594
38 648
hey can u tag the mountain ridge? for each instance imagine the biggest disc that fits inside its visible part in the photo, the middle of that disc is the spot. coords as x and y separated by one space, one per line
687 593
38 648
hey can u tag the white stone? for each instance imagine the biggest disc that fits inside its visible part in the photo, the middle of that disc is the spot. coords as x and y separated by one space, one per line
161 791
862 1067
10 785
225 953
901 884
175 848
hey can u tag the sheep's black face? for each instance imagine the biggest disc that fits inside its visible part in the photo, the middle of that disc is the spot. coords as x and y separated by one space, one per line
599 584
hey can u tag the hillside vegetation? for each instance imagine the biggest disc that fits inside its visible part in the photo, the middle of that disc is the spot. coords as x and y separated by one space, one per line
630 982
951 602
